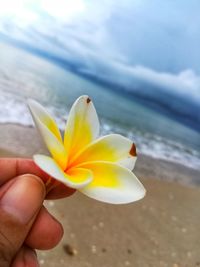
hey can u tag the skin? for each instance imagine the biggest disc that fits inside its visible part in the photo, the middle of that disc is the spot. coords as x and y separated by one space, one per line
23 218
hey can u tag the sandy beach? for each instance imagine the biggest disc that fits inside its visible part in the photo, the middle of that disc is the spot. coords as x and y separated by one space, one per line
162 230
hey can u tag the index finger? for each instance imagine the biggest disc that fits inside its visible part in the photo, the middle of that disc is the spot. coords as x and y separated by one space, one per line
12 167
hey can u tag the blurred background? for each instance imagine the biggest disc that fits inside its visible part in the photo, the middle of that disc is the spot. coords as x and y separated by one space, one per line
138 60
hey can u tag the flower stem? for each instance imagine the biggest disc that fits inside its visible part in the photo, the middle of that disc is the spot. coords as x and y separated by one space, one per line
50 184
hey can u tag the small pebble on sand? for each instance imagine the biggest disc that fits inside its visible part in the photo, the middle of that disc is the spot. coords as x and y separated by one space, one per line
70 250
42 262
184 230
101 224
174 218
171 196
129 251
94 249
72 235
127 263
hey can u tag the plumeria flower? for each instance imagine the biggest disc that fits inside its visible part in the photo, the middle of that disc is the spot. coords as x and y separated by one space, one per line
100 168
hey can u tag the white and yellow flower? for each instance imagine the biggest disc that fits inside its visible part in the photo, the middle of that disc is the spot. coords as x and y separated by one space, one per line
100 168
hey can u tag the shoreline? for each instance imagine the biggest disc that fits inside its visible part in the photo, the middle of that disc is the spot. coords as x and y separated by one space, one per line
24 141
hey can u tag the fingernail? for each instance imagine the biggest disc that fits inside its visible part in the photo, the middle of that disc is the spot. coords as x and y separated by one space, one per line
24 198
30 258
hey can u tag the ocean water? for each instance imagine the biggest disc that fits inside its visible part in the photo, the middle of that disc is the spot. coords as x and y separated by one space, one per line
23 75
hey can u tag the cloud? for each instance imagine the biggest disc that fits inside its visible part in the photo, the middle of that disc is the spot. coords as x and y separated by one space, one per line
137 32
185 83
150 48
175 93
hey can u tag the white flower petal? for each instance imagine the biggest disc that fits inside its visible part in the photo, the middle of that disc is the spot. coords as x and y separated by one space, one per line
111 148
50 133
76 178
112 184
82 126
38 112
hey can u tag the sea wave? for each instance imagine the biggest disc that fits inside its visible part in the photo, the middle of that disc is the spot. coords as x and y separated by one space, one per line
158 147
13 109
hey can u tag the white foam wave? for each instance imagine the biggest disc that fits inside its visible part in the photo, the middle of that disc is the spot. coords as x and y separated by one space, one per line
158 147
13 109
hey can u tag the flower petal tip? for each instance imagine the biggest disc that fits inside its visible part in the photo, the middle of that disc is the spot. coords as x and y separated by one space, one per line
33 105
113 184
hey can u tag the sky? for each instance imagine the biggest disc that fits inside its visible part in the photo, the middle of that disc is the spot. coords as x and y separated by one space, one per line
149 47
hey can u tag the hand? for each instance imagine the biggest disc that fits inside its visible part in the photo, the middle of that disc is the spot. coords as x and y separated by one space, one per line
25 224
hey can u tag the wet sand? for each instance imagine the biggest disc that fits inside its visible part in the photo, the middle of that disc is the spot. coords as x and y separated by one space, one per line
162 230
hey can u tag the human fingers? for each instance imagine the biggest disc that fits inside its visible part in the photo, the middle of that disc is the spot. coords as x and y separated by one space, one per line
20 201
25 257
46 231
12 167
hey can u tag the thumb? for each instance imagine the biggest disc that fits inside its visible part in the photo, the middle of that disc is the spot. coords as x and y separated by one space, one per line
20 201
